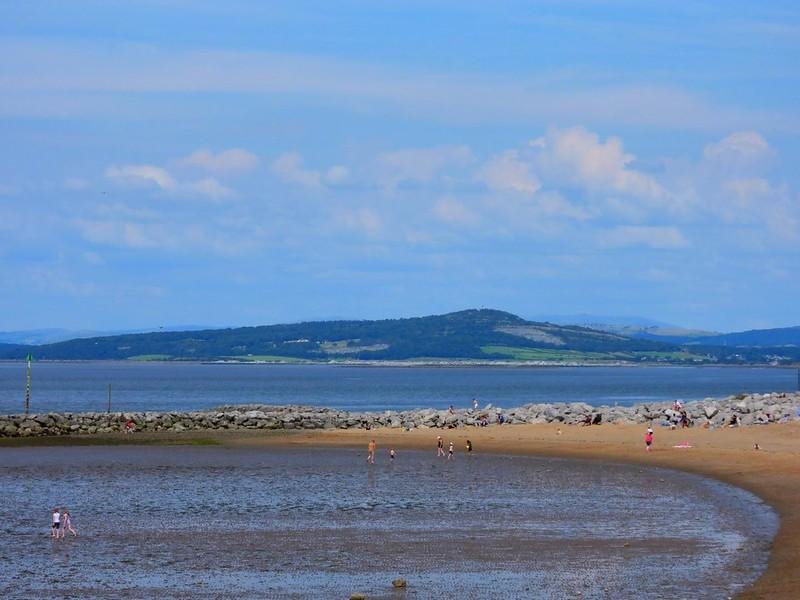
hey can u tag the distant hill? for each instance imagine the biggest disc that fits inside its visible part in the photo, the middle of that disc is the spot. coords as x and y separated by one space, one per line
37 337
760 338
468 334
634 327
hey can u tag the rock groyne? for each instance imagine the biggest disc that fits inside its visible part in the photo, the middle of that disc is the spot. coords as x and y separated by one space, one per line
749 409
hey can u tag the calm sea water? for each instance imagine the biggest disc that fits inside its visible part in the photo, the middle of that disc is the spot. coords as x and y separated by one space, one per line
76 387
249 523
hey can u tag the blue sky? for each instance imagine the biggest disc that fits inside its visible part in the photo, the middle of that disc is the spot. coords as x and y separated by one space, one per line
172 161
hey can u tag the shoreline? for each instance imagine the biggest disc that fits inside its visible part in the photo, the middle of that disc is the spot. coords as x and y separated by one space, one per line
444 363
727 455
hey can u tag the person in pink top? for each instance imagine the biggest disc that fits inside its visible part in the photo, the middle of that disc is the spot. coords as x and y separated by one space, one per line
648 439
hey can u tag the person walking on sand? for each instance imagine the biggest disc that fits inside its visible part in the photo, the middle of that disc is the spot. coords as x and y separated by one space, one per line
66 524
450 451
439 446
371 452
469 447
648 439
56 523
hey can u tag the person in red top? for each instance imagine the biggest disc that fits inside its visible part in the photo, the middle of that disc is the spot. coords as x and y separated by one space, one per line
648 439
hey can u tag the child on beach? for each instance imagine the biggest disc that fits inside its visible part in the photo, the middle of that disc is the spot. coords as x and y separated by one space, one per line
66 524
371 452
450 451
439 446
648 439
56 523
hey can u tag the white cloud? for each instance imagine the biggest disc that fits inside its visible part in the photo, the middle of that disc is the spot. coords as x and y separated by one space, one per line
742 147
420 165
506 172
208 187
579 157
142 175
289 168
234 159
647 236
454 212
158 177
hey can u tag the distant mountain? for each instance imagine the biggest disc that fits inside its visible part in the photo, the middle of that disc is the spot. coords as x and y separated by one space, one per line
758 338
633 327
51 336
591 320
468 334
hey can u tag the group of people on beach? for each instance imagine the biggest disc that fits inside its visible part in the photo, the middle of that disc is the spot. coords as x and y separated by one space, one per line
61 522
372 446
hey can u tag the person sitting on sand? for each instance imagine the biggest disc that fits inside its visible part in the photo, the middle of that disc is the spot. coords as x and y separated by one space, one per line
56 523
66 524
371 451
587 420
129 426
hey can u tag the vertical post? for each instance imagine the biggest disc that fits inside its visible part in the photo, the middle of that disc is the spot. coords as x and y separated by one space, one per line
28 387
109 397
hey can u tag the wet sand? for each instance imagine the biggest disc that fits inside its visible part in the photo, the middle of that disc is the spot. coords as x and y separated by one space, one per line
772 473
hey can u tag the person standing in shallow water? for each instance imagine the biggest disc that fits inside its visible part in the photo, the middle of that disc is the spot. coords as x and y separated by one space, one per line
56 523
439 446
469 447
450 451
66 524
371 452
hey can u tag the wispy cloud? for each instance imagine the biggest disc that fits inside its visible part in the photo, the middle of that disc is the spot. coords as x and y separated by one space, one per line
419 165
226 161
151 176
289 168
652 237
86 77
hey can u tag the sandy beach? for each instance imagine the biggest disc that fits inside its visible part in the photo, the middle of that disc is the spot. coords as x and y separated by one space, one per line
772 473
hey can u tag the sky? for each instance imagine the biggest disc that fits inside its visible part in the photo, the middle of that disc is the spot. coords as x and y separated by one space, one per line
247 162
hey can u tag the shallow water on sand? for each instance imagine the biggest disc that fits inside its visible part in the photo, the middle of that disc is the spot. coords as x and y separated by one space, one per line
243 523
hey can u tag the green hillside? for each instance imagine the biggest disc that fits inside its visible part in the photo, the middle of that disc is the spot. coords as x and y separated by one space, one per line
469 334
466 335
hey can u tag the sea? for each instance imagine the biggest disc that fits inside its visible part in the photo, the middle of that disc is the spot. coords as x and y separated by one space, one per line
180 386
247 523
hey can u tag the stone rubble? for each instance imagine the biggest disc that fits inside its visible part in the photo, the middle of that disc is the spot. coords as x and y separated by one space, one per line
751 409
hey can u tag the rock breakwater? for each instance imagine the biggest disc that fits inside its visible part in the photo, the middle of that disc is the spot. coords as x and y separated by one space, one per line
745 410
